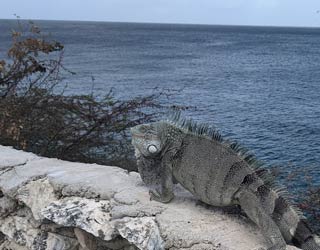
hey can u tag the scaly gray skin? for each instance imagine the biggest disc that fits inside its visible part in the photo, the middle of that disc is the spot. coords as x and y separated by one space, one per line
218 173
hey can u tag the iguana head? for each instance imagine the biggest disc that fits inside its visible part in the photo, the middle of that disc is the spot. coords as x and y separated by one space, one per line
146 138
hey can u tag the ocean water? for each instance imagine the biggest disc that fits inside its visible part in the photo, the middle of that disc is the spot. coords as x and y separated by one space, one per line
257 85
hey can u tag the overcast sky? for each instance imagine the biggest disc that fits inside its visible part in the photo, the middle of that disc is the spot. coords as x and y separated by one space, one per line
239 12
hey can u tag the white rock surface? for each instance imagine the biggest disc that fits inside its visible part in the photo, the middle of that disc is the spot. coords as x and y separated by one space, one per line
49 204
89 215
11 245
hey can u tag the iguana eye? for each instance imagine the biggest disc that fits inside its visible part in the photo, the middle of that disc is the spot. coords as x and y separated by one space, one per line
152 149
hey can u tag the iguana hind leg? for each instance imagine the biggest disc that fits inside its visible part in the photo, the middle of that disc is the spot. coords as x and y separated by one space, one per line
252 206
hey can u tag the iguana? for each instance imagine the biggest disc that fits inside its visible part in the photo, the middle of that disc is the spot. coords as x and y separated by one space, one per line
219 173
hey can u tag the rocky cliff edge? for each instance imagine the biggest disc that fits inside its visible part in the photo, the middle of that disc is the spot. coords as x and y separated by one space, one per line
49 204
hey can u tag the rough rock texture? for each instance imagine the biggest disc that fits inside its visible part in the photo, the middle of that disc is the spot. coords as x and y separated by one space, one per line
49 204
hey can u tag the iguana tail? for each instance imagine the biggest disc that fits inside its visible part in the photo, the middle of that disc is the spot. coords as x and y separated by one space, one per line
292 224
310 245
269 207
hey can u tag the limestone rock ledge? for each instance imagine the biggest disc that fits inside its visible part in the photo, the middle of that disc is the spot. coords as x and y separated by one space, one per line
49 204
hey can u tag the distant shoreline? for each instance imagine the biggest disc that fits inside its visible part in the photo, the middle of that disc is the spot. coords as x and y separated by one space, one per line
168 24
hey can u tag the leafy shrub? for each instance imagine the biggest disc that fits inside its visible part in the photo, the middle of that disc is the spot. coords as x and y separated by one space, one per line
304 190
310 204
28 65
33 117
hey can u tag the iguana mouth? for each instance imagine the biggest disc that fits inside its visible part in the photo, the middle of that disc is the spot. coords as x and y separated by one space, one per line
138 135
143 136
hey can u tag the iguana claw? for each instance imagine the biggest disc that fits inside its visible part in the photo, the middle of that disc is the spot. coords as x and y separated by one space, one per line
157 196
154 195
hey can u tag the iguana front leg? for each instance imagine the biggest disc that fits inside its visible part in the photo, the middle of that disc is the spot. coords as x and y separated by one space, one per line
166 194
